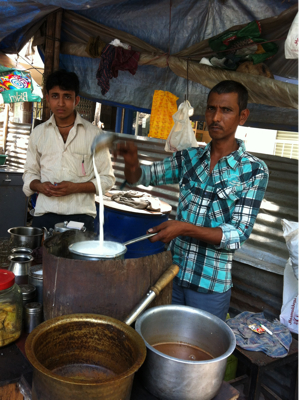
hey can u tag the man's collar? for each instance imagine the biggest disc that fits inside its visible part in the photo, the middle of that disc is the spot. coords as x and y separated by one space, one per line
52 121
233 158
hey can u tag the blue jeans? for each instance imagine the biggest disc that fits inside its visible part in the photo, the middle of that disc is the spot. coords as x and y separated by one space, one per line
214 303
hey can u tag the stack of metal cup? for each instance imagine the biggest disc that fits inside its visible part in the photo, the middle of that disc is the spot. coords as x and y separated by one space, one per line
30 280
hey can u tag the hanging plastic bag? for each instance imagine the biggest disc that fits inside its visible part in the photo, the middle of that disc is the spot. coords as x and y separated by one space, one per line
292 41
181 136
290 233
289 309
163 107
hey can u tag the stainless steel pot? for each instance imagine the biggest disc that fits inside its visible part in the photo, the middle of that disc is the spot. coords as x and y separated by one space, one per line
26 236
171 378
90 249
20 264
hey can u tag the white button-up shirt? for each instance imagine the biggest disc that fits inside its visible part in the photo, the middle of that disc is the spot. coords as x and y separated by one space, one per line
49 159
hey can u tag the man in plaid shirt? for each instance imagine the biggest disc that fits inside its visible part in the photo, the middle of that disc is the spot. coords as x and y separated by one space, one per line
221 190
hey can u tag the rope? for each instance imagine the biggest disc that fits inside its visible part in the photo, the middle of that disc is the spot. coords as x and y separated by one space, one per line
168 53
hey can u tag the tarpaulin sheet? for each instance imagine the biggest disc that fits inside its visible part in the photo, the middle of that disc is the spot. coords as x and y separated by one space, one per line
155 28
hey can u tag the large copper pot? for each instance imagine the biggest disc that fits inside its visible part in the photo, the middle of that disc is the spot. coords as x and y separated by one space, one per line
84 356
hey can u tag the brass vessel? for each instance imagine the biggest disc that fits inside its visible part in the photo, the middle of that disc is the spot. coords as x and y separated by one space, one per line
87 344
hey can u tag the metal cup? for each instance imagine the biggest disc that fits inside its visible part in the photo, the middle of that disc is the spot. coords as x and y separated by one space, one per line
22 250
20 264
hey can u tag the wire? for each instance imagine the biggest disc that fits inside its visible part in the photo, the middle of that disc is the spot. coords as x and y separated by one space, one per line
32 67
187 77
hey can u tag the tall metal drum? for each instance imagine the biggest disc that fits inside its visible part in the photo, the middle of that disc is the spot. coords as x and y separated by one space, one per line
123 223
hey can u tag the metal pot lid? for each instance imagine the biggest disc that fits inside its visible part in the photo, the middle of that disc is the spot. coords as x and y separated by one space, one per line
62 227
91 248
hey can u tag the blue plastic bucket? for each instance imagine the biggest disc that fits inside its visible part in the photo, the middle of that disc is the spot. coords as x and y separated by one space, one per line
121 226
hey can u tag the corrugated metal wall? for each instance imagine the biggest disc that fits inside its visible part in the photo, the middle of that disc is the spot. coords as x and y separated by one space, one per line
266 246
17 143
286 144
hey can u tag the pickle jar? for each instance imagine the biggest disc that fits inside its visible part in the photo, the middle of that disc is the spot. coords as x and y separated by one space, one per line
11 305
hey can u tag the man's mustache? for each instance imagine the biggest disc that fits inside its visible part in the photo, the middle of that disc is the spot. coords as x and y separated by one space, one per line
214 125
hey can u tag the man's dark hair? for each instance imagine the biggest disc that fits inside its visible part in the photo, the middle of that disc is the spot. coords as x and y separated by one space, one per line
232 87
64 79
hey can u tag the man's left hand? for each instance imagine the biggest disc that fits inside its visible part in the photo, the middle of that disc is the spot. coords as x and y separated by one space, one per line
167 231
64 188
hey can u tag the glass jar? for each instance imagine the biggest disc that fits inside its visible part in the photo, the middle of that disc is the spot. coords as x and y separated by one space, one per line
11 305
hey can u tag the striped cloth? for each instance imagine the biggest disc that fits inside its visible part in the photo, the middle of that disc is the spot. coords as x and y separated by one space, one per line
228 198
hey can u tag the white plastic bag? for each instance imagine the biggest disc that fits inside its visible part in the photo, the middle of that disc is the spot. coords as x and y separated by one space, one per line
290 233
289 309
292 41
181 135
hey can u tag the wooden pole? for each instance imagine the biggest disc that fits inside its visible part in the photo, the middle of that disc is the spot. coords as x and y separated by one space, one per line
5 125
122 120
57 40
49 57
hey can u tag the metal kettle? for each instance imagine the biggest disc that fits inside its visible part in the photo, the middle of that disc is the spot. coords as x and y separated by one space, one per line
58 228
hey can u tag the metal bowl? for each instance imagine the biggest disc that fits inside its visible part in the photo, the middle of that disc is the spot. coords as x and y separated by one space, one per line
26 236
170 378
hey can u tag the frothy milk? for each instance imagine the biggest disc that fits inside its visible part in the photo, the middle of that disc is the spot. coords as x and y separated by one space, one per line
101 206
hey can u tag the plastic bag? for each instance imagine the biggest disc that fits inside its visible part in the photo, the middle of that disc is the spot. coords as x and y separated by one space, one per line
290 233
292 41
242 45
289 309
163 107
181 136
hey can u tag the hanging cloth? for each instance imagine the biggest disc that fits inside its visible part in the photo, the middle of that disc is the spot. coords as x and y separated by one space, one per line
104 72
124 60
114 59
163 108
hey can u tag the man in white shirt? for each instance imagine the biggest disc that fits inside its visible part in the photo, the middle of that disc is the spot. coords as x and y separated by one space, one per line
59 165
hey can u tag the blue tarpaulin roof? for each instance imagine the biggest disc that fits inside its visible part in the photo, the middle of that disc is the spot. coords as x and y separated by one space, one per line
171 26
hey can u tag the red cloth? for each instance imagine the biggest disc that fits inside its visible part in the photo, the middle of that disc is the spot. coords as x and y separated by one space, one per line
124 60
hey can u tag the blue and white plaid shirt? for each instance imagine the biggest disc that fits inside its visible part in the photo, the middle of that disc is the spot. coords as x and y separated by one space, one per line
228 198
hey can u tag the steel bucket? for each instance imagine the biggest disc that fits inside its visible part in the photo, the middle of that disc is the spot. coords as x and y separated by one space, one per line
170 378
96 358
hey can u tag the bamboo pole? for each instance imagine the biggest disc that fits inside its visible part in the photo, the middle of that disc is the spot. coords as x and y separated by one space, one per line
49 57
5 125
122 120
57 40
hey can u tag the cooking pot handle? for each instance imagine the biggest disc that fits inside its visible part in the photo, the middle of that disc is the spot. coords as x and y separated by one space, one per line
139 238
154 291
